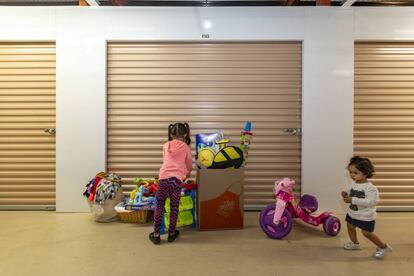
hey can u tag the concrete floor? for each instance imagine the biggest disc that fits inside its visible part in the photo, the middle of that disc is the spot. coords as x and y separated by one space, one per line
46 243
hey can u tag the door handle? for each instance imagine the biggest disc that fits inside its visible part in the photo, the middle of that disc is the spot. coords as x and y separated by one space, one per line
293 131
51 131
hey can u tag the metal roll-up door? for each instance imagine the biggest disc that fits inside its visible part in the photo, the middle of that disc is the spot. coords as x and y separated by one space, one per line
213 87
27 108
384 118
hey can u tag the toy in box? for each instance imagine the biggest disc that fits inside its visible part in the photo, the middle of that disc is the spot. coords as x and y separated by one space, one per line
213 152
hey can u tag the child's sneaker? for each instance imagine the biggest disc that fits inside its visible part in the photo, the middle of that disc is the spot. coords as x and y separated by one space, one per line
381 253
352 246
155 238
172 237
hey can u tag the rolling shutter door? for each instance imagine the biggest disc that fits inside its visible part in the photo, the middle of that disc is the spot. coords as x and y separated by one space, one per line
213 87
384 118
27 107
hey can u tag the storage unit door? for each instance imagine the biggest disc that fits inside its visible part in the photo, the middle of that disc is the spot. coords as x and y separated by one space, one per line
384 118
213 87
27 108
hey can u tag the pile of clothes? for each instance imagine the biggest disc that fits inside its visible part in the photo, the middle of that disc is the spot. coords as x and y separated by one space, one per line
102 187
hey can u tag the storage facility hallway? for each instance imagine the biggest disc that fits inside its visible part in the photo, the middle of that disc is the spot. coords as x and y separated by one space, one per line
265 132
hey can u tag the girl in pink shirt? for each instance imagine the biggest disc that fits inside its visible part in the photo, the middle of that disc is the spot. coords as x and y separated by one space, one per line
176 166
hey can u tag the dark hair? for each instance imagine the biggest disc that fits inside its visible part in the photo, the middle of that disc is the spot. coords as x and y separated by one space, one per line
364 165
179 130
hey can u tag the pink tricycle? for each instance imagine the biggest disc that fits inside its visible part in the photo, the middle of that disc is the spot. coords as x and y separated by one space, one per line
276 219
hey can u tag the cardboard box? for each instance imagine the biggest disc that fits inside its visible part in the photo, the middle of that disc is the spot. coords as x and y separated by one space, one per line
220 198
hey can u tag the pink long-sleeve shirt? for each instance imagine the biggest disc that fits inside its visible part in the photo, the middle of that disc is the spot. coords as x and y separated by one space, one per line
178 160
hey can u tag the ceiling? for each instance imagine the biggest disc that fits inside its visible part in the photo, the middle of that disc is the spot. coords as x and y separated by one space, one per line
212 3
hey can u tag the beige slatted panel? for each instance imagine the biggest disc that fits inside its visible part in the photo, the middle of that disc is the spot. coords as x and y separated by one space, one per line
213 87
384 118
27 107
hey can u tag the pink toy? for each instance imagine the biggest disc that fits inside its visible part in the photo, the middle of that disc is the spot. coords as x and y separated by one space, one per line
283 190
276 218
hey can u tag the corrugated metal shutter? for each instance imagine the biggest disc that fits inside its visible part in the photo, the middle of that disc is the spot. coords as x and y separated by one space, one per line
213 87
384 118
27 107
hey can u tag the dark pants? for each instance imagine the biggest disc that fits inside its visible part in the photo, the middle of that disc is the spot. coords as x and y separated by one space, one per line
368 226
171 187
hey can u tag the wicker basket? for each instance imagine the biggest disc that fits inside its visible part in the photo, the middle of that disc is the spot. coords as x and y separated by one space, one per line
134 216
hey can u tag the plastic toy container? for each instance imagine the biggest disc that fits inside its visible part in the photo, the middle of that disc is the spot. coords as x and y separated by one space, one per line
186 212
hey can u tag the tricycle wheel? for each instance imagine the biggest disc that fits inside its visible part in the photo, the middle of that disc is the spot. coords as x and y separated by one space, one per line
272 230
332 226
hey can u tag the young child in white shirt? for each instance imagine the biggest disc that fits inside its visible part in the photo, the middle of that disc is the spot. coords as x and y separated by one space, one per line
363 197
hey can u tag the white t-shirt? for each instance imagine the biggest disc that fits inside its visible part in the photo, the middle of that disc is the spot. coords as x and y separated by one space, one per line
365 197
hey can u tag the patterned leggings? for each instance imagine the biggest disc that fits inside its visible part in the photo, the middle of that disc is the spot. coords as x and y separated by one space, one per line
171 186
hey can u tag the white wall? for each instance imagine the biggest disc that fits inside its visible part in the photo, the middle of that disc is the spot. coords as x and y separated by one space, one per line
80 103
327 122
384 24
81 34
